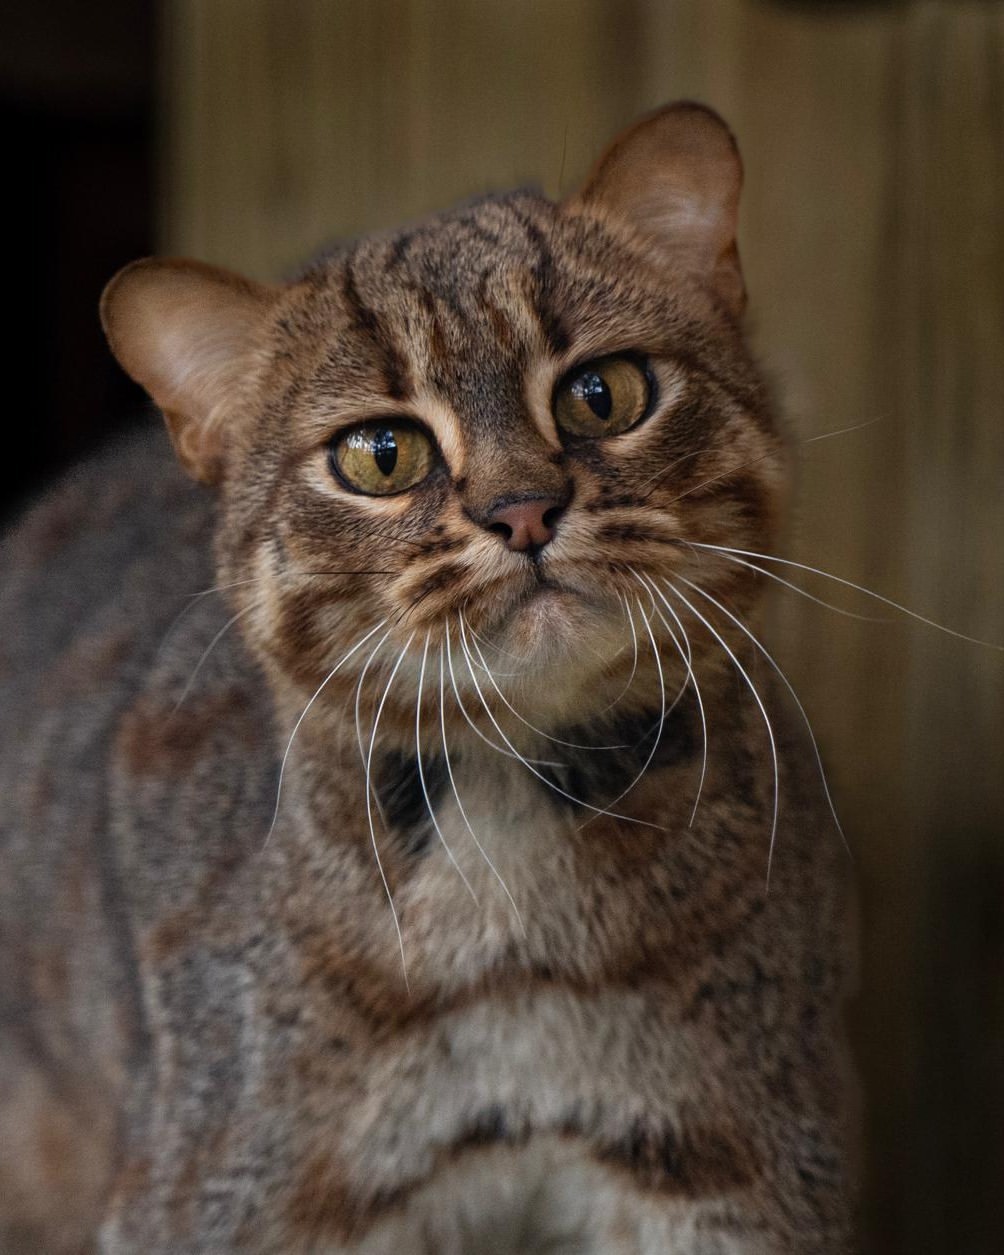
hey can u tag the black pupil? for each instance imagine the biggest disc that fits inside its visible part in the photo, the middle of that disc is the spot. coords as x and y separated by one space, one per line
385 450
589 387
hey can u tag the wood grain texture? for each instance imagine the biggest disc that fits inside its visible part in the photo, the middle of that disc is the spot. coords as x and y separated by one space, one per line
873 235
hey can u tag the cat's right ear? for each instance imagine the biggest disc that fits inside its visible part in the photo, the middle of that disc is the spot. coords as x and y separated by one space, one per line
674 180
187 333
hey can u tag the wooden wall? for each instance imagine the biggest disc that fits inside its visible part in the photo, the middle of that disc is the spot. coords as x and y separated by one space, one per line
873 238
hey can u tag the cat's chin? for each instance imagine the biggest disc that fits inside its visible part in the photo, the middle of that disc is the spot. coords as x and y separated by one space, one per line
555 624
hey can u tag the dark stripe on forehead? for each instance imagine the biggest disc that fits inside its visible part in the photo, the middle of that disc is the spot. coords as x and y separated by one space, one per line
366 321
481 232
545 284
399 250
501 327
439 352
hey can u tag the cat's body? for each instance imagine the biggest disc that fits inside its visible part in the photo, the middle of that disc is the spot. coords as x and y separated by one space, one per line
577 1031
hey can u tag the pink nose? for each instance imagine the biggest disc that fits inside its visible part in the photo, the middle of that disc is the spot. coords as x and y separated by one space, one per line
526 526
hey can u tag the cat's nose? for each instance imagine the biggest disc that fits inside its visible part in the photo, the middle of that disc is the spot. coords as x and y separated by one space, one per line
526 525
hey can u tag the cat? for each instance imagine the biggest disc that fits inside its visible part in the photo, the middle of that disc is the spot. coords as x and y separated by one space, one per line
470 885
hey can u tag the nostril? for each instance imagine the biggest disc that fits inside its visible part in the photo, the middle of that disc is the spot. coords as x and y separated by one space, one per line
500 529
550 517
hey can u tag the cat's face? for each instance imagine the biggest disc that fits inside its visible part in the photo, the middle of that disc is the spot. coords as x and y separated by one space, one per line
491 437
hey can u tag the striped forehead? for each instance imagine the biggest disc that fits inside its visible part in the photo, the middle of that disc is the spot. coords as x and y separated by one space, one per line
464 305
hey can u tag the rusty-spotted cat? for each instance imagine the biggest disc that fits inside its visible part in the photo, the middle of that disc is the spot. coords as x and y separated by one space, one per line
470 884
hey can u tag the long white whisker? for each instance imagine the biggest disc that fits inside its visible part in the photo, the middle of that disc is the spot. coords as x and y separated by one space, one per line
824 435
686 654
550 784
510 707
763 711
662 712
219 588
369 806
499 749
655 610
843 431
839 579
212 645
303 714
360 684
191 601
634 662
456 794
787 683
490 645
797 588
421 771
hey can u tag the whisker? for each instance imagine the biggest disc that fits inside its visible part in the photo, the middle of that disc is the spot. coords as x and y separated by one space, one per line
391 537
219 588
526 763
655 610
490 645
421 771
509 706
369 806
212 645
771 575
634 662
726 474
662 713
456 794
688 661
839 579
759 701
483 666
338 571
825 435
843 431
787 683
193 599
665 470
283 574
303 714
360 684
499 749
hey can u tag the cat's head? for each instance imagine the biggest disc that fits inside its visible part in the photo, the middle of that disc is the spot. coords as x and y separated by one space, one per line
508 424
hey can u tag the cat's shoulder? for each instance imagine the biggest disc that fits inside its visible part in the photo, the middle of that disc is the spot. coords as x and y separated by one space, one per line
92 567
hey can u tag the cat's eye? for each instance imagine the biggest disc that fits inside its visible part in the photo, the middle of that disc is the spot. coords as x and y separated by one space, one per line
382 457
602 398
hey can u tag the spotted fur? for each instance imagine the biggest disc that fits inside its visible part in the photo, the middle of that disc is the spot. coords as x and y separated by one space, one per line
260 998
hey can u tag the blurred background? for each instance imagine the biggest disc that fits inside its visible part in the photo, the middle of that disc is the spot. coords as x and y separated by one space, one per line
249 132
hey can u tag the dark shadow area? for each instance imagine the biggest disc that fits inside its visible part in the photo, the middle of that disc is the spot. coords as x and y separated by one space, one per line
77 133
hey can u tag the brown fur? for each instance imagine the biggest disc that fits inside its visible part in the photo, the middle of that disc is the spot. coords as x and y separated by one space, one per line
644 1053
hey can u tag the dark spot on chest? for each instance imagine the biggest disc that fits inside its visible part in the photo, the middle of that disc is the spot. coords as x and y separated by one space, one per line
597 776
398 782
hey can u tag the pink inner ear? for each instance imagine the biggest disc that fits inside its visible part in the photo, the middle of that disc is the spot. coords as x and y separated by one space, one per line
185 331
674 179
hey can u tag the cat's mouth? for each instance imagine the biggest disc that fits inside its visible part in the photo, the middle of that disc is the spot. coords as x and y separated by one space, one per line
548 618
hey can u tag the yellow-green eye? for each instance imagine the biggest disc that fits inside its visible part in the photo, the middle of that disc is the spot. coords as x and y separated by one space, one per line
382 457
602 398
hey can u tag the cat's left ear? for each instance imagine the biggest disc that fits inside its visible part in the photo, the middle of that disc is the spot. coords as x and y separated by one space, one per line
674 179
188 333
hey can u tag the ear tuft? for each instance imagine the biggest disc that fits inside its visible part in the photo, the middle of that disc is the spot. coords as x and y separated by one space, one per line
186 332
674 178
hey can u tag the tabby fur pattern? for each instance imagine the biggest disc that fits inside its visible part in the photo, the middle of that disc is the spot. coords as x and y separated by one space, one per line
503 950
